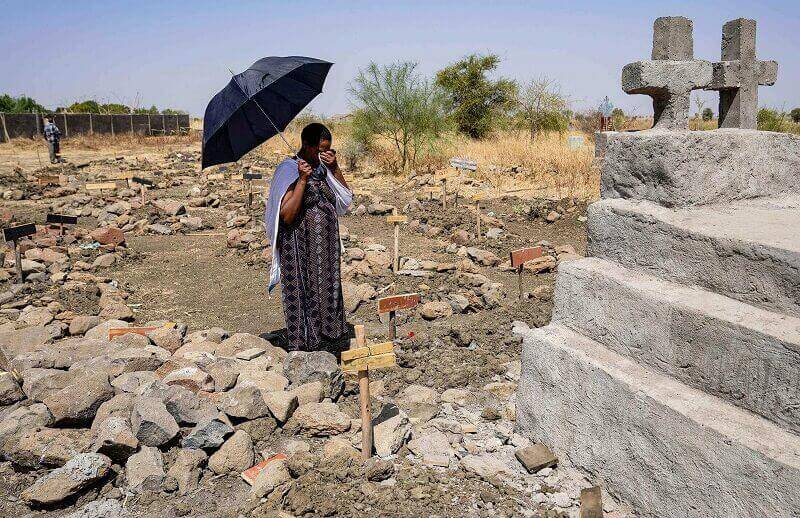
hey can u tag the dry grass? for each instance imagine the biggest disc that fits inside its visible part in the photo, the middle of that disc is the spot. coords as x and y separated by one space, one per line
545 167
105 142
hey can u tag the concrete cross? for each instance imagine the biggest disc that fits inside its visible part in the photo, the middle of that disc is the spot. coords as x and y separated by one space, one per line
671 75
738 75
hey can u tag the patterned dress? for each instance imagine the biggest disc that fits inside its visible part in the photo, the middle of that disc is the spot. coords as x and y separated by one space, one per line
311 285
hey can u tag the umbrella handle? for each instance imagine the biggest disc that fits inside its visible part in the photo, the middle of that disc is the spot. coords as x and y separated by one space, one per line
280 133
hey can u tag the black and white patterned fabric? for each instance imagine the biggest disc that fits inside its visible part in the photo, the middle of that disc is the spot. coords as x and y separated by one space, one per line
311 285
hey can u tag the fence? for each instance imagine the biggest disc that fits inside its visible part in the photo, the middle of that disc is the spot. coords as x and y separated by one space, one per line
30 125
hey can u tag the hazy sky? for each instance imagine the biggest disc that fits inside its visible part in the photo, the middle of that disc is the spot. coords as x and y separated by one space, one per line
177 54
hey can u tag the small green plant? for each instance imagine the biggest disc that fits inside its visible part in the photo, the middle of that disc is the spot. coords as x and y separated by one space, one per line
771 120
708 114
795 115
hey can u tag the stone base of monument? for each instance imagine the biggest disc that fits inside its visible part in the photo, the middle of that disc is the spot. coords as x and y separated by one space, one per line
666 448
671 370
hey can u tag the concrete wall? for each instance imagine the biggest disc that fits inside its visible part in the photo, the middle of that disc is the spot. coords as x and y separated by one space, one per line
29 125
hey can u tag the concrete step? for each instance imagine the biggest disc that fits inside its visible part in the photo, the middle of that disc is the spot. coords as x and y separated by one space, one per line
678 169
749 251
743 354
668 449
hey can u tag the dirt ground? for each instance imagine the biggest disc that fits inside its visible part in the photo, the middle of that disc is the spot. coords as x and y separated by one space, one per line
196 278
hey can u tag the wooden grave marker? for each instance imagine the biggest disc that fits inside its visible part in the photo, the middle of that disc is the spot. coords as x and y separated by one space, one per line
119 331
431 190
247 179
396 219
591 503
101 186
477 198
49 179
359 359
144 183
520 257
13 234
462 164
394 304
61 220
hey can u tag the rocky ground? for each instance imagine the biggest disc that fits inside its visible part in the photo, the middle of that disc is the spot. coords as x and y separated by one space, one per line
163 422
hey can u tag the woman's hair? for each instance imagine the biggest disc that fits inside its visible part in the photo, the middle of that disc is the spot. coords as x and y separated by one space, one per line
315 133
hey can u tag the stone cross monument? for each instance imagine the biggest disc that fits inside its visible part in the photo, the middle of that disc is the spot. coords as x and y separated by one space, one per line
671 75
738 75
670 371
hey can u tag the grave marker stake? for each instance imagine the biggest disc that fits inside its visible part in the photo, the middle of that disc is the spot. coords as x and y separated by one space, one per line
591 503
13 234
478 217
444 193
396 219
363 389
392 304
520 257
17 260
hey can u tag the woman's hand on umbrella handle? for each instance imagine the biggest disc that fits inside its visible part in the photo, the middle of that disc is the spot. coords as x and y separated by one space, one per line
304 169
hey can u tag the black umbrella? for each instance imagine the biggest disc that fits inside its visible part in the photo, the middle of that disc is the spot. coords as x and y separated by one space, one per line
258 104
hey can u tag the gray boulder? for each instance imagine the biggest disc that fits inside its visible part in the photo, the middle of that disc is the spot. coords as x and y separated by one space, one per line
245 402
302 367
115 439
208 433
80 473
186 469
144 470
152 424
77 403
235 456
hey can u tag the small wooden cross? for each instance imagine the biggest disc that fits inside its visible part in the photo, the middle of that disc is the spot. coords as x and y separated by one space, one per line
359 359
395 219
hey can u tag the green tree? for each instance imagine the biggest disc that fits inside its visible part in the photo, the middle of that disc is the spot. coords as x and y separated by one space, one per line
115 108
151 111
88 106
21 104
6 103
770 120
795 115
708 114
393 102
172 111
541 107
475 100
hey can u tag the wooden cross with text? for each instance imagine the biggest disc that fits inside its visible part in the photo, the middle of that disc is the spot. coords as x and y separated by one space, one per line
520 257
393 304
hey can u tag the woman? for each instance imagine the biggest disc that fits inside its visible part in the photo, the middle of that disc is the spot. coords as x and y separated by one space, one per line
307 194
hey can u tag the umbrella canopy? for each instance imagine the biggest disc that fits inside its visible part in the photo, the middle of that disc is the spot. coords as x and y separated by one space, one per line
258 104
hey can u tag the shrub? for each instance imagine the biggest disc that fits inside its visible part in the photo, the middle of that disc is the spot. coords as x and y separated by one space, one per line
475 100
770 120
541 107
394 103
795 115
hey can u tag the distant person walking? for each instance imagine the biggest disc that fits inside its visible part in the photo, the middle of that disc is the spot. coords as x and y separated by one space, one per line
53 137
307 194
